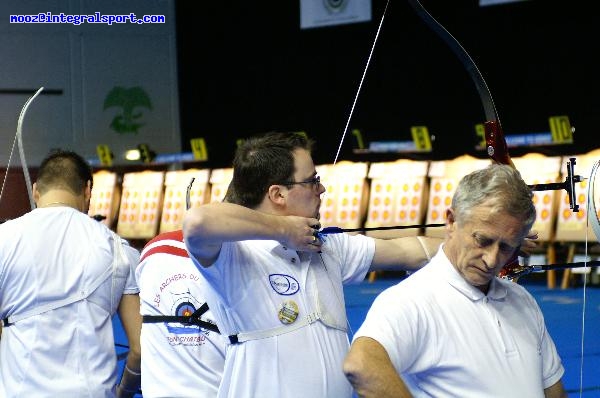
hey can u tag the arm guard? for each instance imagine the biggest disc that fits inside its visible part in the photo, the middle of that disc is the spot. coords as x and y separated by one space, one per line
130 383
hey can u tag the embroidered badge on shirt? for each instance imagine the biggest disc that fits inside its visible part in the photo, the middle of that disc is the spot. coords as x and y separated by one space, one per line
285 285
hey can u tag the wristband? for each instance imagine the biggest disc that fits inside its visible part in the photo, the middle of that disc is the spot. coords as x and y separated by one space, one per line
132 372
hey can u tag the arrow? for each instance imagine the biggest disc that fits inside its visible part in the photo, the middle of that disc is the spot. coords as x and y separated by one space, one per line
338 230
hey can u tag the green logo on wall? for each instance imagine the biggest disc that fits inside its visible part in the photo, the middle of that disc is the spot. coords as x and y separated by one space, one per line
128 99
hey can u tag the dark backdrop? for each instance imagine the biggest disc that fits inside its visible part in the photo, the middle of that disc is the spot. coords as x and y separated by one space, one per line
247 67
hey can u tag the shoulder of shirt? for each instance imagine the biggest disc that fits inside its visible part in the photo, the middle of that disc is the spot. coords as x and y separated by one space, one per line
513 287
415 282
166 243
346 238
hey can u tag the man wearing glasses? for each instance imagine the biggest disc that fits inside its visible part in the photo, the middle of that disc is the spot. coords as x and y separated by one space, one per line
275 288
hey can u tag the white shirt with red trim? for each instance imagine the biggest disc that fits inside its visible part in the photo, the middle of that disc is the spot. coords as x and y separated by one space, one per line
177 360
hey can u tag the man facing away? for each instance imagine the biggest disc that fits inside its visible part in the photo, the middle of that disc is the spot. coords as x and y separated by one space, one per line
453 328
62 277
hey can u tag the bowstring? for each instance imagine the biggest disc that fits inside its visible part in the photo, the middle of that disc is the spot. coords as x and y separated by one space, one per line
362 79
590 208
12 149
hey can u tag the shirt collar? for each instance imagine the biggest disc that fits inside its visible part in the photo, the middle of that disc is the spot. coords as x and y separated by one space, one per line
276 248
447 270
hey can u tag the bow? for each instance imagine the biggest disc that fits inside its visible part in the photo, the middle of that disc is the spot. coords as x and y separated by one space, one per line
19 141
496 146
592 216
495 142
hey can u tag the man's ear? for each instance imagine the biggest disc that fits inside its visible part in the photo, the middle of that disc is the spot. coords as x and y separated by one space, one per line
36 193
87 192
277 194
450 220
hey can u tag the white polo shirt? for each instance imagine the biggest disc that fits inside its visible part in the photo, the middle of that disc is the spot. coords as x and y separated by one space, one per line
262 285
447 338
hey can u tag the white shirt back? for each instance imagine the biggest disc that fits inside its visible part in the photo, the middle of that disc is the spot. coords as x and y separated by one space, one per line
47 255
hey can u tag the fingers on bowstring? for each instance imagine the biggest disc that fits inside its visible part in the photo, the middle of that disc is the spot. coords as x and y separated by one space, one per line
315 240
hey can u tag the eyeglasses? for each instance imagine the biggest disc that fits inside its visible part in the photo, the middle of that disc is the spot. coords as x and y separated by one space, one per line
315 181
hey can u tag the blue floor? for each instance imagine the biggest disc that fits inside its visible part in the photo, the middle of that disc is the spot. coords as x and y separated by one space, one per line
562 309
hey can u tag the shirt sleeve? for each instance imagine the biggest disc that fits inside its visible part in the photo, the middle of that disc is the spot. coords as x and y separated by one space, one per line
355 254
399 329
133 257
553 369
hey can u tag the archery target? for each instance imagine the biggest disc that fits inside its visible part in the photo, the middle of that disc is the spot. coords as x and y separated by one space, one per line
444 178
440 199
328 199
343 203
105 197
139 213
174 202
219 182
539 169
397 196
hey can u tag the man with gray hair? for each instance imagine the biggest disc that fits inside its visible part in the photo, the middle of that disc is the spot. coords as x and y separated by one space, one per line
453 328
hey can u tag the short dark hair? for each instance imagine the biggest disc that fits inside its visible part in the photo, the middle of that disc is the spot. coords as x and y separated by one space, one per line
262 161
63 169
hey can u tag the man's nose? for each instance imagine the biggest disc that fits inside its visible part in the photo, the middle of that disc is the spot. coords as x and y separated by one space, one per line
491 256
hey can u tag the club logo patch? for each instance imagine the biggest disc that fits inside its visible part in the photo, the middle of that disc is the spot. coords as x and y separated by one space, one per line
185 309
285 285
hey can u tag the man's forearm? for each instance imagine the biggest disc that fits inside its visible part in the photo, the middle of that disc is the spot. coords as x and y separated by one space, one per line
221 222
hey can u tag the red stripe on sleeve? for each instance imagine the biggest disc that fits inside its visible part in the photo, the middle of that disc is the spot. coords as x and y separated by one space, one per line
165 249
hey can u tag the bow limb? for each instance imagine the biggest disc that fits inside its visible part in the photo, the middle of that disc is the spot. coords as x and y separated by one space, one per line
592 216
494 137
19 136
19 141
495 142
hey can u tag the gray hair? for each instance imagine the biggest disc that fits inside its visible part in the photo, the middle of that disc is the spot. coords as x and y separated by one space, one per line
498 186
